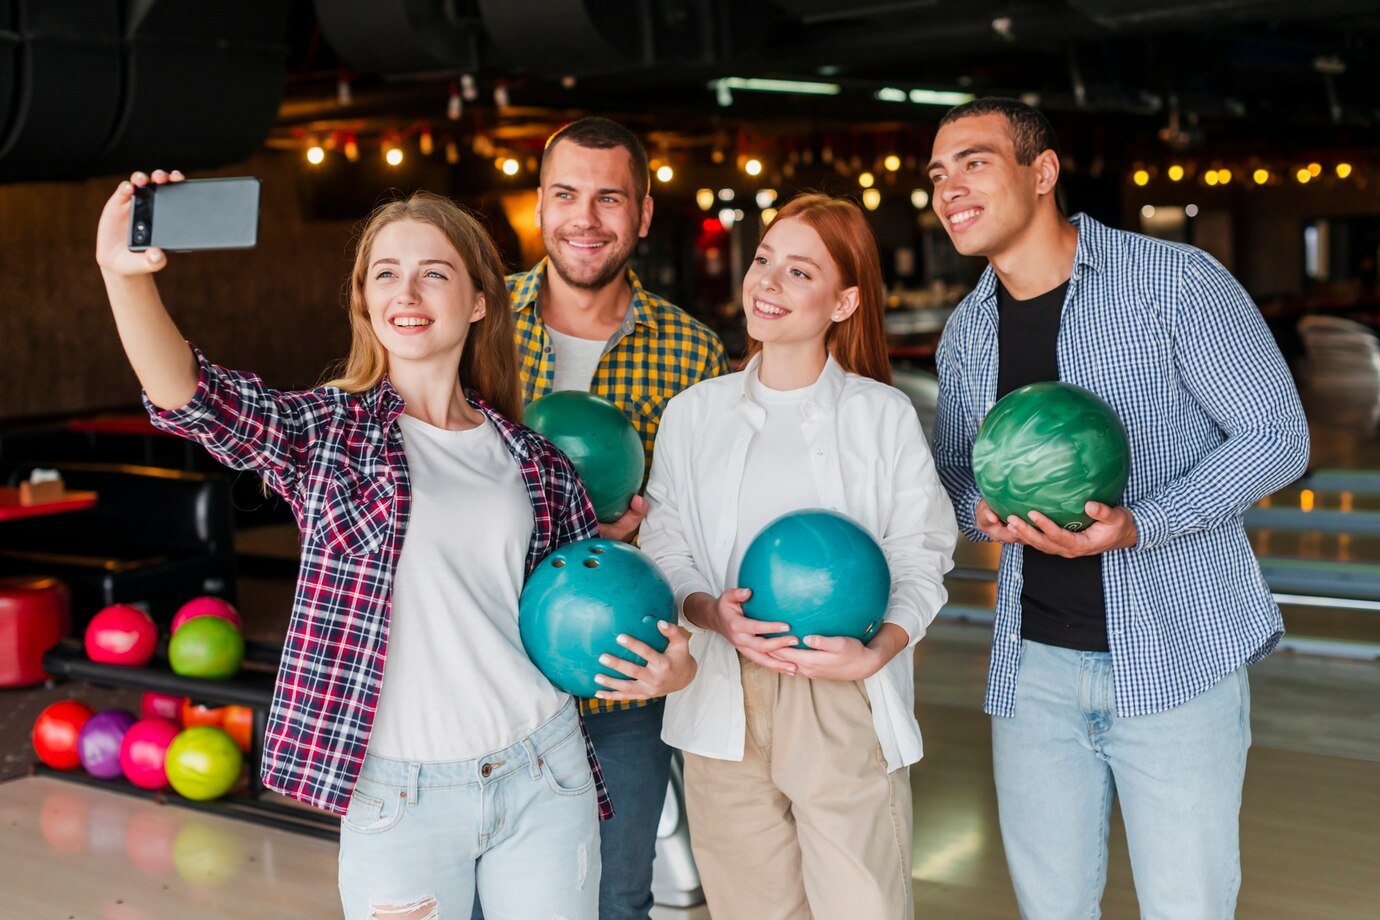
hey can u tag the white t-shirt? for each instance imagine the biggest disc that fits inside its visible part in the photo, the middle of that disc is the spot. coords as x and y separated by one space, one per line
576 360
457 683
776 474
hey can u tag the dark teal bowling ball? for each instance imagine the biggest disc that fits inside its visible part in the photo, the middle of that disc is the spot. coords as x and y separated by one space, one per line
1051 447
577 602
601 442
819 572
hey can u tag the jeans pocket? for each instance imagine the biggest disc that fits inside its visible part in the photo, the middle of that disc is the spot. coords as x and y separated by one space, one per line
566 768
368 814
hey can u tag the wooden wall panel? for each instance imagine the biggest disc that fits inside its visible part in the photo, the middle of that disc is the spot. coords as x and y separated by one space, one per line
276 309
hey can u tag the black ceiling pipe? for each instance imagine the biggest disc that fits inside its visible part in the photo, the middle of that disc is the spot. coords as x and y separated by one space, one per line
64 86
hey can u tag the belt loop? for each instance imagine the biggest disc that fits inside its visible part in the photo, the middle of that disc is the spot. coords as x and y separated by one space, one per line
414 771
533 761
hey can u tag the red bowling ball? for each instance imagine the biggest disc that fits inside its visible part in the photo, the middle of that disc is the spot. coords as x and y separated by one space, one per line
121 634
206 607
144 750
162 706
55 733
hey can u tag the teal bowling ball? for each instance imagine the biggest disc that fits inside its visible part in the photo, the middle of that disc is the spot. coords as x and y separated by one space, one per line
601 442
820 573
1051 447
577 602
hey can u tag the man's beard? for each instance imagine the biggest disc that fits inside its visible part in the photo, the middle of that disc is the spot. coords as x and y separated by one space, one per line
611 271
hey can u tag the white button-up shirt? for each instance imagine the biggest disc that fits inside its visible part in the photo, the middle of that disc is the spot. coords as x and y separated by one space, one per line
870 461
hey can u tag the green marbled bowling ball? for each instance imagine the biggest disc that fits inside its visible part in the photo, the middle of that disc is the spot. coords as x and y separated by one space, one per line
1051 447
599 439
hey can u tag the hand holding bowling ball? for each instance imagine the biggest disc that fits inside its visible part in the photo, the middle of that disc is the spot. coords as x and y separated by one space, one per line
819 572
599 440
724 614
1051 447
648 673
580 599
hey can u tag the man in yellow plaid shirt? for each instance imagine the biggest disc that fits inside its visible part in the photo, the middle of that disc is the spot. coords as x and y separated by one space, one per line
585 322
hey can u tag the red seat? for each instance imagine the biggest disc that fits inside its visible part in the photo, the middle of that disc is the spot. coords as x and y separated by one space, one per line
34 615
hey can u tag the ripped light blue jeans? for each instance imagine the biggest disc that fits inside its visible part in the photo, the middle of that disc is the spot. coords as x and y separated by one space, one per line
520 825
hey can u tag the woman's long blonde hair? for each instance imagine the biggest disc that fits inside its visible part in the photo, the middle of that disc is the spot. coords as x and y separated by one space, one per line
488 364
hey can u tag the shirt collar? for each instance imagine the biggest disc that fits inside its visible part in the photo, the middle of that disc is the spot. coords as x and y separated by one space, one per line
527 294
1092 241
386 404
826 392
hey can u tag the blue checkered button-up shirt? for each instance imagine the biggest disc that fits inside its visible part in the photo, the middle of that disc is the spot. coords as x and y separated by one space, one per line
1172 342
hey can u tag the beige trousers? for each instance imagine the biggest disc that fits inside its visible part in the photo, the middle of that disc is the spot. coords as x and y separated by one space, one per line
809 824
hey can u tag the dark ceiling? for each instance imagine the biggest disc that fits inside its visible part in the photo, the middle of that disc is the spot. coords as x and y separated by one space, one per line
1218 71
92 87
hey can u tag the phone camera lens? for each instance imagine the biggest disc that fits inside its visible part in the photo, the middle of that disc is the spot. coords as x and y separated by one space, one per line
141 232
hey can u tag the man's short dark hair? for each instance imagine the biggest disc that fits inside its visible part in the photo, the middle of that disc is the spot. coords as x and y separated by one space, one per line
604 134
1031 132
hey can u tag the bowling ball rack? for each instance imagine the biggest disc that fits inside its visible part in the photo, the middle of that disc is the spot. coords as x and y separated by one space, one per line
252 687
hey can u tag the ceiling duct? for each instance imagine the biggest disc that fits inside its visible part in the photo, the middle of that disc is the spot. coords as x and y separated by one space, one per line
63 79
109 86
1131 14
557 37
9 55
203 82
394 37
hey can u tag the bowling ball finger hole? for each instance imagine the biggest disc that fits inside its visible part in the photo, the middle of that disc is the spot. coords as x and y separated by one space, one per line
591 563
557 563
597 550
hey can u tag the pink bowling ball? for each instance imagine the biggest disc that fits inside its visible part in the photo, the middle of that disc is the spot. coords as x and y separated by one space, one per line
144 750
206 607
121 634
162 706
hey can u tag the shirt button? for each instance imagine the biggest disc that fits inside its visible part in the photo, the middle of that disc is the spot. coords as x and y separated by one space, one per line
1013 637
819 452
547 349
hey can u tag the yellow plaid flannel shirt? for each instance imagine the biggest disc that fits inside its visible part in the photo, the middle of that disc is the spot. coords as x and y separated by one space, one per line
657 352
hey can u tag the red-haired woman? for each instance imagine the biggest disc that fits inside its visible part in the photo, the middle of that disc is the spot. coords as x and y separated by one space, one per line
796 760
404 702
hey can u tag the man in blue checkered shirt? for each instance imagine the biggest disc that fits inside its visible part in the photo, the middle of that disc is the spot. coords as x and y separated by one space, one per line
1119 656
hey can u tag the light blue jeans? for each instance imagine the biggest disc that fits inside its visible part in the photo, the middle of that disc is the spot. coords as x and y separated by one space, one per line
1065 755
521 826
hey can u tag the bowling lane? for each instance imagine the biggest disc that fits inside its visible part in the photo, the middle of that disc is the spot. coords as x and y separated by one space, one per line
1309 564
127 858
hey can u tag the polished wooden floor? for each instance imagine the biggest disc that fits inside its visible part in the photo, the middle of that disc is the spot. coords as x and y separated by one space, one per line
1310 822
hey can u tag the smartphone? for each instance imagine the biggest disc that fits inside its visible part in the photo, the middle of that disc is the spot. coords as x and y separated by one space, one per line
196 214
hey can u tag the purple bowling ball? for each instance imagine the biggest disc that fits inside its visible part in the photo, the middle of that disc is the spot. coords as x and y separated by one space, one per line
98 744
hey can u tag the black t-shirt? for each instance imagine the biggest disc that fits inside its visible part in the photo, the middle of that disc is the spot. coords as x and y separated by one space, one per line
1061 599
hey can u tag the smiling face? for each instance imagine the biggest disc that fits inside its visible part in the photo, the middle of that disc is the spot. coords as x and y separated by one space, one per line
418 293
792 292
589 212
984 197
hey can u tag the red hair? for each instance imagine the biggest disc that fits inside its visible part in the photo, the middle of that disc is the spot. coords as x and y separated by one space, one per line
857 343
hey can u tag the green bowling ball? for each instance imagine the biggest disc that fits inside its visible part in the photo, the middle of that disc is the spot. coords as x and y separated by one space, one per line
1051 447
203 763
601 442
208 647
